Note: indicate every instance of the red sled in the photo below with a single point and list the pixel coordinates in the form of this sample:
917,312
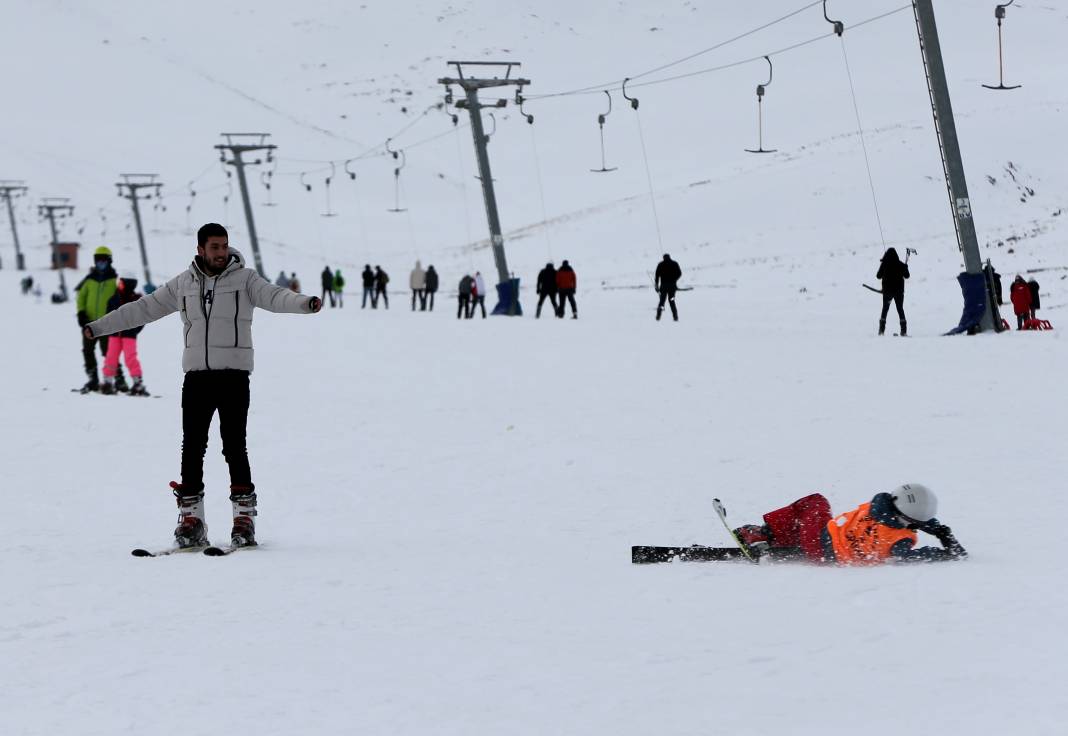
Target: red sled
1037,324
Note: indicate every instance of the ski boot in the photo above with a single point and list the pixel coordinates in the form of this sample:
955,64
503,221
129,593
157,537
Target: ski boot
756,540
107,387
120,383
138,388
882,327
243,500
192,531
904,328
91,385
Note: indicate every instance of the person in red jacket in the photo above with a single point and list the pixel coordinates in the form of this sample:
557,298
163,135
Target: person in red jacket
879,531
566,282
1020,294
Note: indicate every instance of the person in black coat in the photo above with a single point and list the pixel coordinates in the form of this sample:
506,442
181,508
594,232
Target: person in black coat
328,285
892,272
546,288
368,287
381,279
666,283
431,287
1035,302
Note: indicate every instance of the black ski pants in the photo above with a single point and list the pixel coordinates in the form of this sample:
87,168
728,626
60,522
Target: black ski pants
419,295
328,291
898,300
464,310
204,393
90,357
478,301
667,294
380,293
430,301
368,291
541,300
566,295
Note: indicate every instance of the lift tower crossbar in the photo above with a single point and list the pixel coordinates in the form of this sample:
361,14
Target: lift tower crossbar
507,288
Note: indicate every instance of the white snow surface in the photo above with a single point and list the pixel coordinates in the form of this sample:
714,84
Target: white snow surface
446,507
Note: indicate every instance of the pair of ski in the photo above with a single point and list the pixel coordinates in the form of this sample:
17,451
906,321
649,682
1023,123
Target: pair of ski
209,550
641,554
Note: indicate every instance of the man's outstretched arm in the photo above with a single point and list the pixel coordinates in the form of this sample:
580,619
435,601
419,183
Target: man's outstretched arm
159,303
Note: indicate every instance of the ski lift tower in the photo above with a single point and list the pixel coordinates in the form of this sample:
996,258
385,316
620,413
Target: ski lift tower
129,188
237,144
977,282
507,287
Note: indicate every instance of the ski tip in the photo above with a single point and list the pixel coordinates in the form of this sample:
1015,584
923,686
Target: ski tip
215,551
141,553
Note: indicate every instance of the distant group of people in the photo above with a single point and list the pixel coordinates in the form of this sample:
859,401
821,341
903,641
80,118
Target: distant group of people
290,282
1025,300
374,286
558,285
471,294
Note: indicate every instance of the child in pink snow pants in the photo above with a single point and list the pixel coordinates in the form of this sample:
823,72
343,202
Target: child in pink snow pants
124,343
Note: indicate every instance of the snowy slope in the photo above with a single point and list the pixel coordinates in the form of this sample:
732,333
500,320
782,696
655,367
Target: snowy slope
446,507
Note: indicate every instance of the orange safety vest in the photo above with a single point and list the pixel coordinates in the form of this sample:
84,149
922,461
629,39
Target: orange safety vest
858,539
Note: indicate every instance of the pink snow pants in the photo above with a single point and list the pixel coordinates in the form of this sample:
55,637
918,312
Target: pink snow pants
127,346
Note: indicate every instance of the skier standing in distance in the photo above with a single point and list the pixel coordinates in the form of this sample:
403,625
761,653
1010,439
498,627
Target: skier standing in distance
216,297
1036,300
123,343
566,283
893,273
1020,296
478,294
666,283
327,279
94,292
368,287
417,282
881,530
431,287
467,285
339,288
381,279
546,289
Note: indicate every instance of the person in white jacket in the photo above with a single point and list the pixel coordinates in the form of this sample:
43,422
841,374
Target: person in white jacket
417,281
478,298
216,297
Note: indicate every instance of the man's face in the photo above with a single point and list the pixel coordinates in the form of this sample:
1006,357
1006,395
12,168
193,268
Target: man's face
215,252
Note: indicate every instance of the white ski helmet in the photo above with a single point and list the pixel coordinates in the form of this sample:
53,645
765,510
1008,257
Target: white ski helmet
915,501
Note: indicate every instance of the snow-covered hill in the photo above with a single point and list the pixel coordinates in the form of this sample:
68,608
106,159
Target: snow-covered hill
447,506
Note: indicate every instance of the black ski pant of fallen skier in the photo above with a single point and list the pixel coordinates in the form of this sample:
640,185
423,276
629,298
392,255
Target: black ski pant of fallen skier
567,295
203,394
551,296
464,310
667,294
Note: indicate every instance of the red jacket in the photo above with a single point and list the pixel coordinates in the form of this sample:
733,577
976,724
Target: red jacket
1021,297
565,279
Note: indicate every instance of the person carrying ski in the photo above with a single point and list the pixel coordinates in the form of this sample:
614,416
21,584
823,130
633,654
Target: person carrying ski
892,272
327,279
879,531
94,292
546,288
666,283
566,283
431,287
417,282
1020,295
467,285
368,287
216,297
478,294
381,279
338,288
124,343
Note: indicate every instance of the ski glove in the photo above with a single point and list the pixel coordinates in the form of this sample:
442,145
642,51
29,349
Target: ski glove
945,536
315,304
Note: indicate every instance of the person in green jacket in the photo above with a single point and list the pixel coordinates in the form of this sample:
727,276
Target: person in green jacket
94,292
339,285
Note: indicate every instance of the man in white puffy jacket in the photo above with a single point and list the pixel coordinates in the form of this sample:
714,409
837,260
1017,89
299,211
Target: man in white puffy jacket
216,297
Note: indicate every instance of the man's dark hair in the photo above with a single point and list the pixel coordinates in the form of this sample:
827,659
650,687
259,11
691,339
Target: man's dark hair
211,230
